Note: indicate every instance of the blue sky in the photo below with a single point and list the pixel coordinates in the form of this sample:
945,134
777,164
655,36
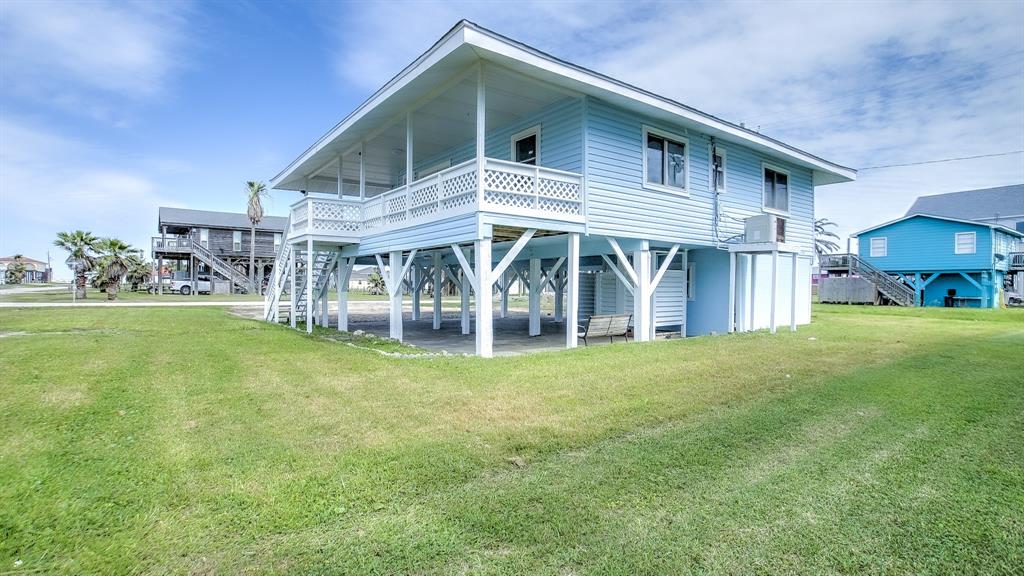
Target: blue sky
108,110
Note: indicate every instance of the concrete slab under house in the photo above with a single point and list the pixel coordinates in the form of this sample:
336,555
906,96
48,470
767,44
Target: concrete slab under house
486,163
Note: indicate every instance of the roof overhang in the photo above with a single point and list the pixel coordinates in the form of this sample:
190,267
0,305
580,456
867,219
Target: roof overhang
946,218
466,44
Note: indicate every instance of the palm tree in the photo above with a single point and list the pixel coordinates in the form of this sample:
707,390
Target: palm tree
82,248
114,263
822,244
15,272
255,191
140,271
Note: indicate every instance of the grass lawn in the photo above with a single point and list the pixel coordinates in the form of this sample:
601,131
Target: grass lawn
97,296
192,441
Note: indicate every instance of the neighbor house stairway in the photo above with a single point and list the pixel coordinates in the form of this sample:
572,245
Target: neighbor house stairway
890,287
222,268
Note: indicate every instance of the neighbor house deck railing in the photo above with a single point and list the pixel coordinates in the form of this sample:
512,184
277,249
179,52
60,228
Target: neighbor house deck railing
508,188
1017,261
172,244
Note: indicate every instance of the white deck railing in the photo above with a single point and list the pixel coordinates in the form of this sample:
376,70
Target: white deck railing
509,188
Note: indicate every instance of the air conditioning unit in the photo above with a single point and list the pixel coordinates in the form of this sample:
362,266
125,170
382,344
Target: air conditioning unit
765,228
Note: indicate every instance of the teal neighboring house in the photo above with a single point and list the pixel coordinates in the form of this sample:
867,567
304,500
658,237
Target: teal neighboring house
947,261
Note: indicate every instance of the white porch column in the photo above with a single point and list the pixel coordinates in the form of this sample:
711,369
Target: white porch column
506,283
481,131
438,283
464,288
732,293
408,148
414,281
395,273
345,266
324,304
341,179
572,290
294,292
792,298
558,284
535,289
362,172
775,291
309,284
484,315
642,293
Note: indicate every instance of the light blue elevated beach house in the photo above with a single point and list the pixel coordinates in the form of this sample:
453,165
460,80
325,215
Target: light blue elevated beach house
486,161
958,249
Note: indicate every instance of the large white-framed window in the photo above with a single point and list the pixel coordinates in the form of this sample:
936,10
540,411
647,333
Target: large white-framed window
691,286
204,237
526,146
879,247
775,184
965,243
236,240
665,161
277,241
718,161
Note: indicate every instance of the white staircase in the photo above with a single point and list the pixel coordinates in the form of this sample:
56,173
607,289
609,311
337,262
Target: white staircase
280,287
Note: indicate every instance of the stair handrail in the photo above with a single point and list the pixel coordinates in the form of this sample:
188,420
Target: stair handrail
278,276
901,293
222,267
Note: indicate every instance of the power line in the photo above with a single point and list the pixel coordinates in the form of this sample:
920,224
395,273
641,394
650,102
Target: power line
942,160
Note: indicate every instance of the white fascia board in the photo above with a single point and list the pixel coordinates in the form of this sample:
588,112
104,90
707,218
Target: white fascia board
452,40
520,52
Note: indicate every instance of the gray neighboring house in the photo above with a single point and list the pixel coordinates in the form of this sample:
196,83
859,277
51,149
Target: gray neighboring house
198,243
1002,206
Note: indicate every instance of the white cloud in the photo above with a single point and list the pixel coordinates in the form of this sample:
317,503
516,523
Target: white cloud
859,84
49,184
67,49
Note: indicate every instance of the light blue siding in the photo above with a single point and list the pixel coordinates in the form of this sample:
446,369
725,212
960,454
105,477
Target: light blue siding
922,244
561,139
442,233
619,204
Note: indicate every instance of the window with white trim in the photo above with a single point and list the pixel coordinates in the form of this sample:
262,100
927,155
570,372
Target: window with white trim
879,247
665,164
776,189
526,146
277,240
965,243
236,240
204,237
718,167
691,291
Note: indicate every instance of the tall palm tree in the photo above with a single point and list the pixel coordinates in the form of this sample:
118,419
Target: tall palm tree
822,244
256,191
116,260
81,246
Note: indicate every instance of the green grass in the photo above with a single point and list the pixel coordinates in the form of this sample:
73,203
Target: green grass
123,296
192,441
4,287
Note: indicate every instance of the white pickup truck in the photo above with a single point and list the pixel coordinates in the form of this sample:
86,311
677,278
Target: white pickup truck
183,287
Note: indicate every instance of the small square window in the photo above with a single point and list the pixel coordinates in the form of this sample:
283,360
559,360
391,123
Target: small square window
526,146
965,243
879,247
